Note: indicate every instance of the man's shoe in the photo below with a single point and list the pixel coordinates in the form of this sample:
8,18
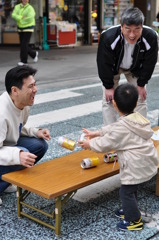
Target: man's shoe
22,64
11,189
0,201
131,226
119,213
36,57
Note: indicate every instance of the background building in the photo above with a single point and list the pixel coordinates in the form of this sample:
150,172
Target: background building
90,17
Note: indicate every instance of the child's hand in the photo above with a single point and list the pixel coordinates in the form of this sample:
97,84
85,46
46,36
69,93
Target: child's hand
90,134
84,144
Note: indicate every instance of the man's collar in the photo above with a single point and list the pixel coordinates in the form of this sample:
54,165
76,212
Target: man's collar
21,4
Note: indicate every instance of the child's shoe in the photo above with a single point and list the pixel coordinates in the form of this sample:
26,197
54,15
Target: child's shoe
131,226
119,213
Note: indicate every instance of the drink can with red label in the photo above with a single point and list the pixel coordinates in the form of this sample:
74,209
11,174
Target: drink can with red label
110,157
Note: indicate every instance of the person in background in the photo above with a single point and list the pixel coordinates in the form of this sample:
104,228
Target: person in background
130,137
24,14
20,146
130,48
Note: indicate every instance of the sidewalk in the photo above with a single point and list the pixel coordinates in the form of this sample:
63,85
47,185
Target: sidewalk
55,65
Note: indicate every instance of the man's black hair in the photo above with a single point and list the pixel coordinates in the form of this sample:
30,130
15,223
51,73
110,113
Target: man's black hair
126,96
16,75
132,16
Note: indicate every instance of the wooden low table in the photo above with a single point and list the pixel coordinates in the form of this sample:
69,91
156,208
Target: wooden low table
60,179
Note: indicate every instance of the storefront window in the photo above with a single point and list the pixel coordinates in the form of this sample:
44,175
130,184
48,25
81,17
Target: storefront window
94,16
112,11
8,29
8,26
67,10
6,8
94,13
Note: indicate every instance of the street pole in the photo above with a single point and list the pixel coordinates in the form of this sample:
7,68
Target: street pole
45,45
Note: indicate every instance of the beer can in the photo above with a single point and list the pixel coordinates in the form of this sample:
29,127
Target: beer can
89,162
110,157
82,137
66,143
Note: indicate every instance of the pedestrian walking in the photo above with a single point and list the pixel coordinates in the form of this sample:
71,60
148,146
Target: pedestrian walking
24,14
130,48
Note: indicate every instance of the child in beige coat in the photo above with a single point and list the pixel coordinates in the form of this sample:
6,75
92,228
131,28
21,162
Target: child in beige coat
130,137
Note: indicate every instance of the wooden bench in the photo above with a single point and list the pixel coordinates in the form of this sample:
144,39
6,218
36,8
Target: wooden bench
59,179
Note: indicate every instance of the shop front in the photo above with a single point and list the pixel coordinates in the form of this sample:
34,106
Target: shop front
8,27
7,24
67,13
84,13
112,10
88,18
56,11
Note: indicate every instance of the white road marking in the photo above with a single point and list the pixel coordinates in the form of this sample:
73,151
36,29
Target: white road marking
61,94
64,114
68,93
155,75
54,96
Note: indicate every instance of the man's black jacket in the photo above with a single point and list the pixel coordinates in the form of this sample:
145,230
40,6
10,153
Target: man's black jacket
111,52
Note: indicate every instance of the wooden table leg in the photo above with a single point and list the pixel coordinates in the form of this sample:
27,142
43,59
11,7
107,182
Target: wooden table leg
58,215
19,206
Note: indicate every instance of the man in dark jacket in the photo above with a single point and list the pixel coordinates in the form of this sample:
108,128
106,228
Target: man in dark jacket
130,49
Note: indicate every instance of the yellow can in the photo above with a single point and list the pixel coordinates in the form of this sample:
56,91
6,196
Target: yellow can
66,143
89,162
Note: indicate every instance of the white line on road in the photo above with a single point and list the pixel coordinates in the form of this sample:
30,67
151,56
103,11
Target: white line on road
64,114
54,96
61,94
68,93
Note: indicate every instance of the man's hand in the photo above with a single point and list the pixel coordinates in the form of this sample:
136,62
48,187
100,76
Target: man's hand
27,159
44,133
109,95
142,93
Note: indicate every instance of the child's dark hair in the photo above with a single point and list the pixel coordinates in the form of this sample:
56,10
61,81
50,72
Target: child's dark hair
126,96
16,75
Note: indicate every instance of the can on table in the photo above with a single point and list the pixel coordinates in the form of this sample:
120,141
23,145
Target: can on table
66,143
89,162
110,157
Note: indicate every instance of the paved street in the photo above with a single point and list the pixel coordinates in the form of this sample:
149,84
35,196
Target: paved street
69,98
